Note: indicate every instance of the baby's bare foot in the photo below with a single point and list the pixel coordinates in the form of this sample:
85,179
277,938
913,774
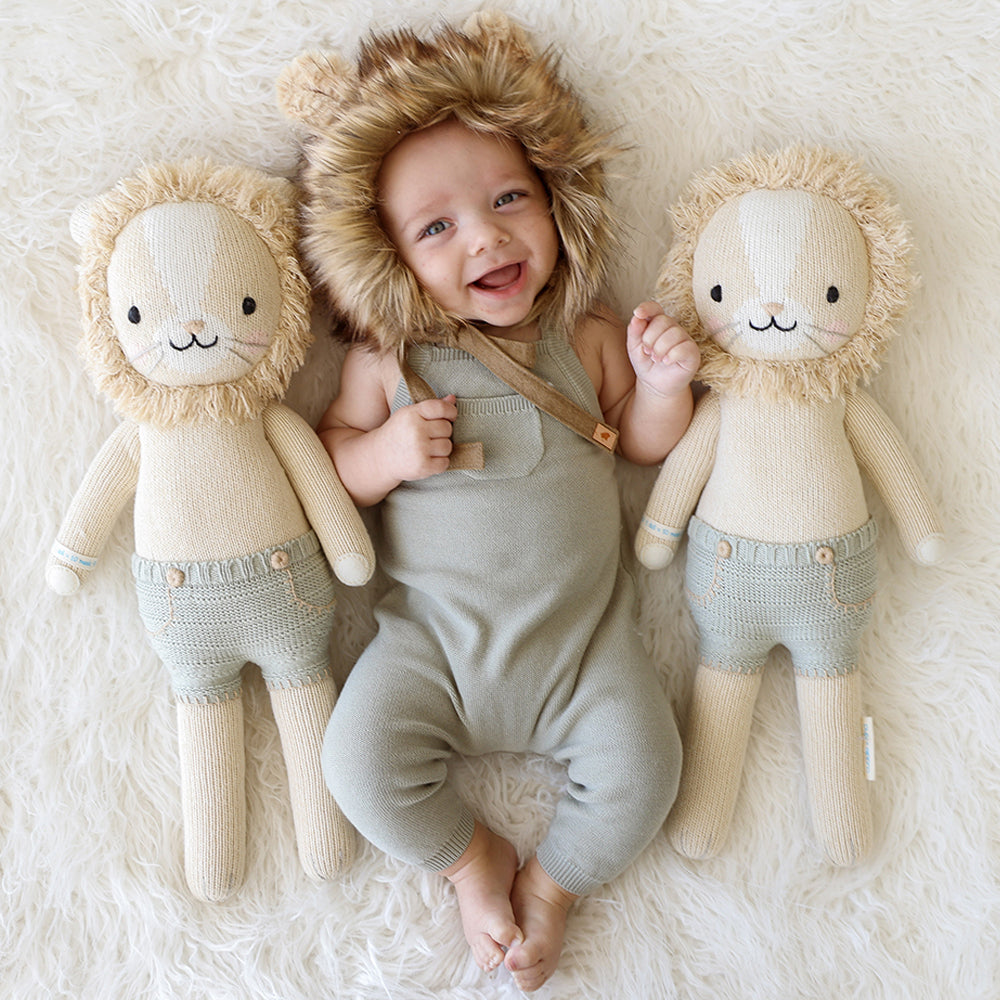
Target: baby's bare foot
483,877
540,908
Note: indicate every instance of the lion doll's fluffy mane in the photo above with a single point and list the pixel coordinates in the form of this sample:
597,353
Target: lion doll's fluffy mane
887,239
270,206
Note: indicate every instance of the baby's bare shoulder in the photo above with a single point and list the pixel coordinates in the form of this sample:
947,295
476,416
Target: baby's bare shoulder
368,381
599,342
597,333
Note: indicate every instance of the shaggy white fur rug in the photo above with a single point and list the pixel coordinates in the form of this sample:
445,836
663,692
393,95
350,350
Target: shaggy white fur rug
94,903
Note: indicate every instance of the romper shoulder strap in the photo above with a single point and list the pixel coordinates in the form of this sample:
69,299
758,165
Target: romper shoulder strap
510,363
464,455
536,390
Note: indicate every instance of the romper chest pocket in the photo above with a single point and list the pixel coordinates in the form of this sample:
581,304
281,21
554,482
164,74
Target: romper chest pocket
510,429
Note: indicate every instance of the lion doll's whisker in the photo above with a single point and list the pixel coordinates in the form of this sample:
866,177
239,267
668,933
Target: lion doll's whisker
133,358
242,357
816,341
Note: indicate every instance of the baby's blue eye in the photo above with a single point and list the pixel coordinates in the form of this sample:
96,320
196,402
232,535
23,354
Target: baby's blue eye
435,228
506,199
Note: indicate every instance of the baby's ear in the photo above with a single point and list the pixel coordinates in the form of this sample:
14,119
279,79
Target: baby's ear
494,26
81,222
312,88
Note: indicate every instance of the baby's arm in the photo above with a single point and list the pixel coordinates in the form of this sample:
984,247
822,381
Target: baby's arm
645,381
374,449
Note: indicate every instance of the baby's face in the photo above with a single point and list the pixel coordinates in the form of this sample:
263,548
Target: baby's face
471,219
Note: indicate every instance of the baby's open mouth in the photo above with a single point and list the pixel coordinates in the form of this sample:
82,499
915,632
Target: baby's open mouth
500,278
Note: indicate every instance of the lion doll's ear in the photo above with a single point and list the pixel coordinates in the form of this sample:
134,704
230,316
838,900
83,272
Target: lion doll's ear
81,222
312,88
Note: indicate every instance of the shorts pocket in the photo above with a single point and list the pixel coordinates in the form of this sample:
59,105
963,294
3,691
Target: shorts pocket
309,586
851,581
510,429
156,607
703,574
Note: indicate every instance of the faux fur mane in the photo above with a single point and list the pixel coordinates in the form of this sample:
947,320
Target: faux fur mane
887,239
489,78
270,207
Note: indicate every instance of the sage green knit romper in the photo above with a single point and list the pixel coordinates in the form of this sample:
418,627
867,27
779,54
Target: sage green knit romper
510,626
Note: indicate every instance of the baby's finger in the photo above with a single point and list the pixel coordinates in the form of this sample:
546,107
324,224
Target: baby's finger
439,447
634,332
685,355
647,310
663,335
438,409
438,429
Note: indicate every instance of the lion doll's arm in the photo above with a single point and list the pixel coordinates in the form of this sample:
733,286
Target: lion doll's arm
678,486
883,455
329,509
107,485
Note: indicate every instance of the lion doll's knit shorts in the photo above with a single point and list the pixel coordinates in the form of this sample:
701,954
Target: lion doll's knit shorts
747,597
206,620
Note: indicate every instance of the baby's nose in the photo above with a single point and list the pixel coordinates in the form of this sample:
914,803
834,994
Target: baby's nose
488,236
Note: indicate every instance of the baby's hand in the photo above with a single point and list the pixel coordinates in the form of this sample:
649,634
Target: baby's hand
664,356
416,439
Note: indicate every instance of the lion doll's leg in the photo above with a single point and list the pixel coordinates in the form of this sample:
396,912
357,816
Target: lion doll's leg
715,742
326,841
833,749
213,795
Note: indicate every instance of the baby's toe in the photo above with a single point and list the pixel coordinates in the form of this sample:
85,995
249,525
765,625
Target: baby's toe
487,953
529,980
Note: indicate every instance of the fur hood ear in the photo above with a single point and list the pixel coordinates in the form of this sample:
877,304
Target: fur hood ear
487,76
311,88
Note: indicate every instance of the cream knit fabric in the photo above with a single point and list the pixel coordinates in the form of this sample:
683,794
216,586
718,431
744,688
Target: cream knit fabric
213,796
326,841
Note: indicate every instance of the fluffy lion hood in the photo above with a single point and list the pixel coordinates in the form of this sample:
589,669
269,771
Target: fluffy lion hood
887,240
487,76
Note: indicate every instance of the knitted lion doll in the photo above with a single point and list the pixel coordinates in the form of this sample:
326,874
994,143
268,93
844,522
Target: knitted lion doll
196,316
790,271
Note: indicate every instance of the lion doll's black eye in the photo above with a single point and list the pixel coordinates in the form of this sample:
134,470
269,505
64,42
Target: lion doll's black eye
133,315
249,306
832,294
716,293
